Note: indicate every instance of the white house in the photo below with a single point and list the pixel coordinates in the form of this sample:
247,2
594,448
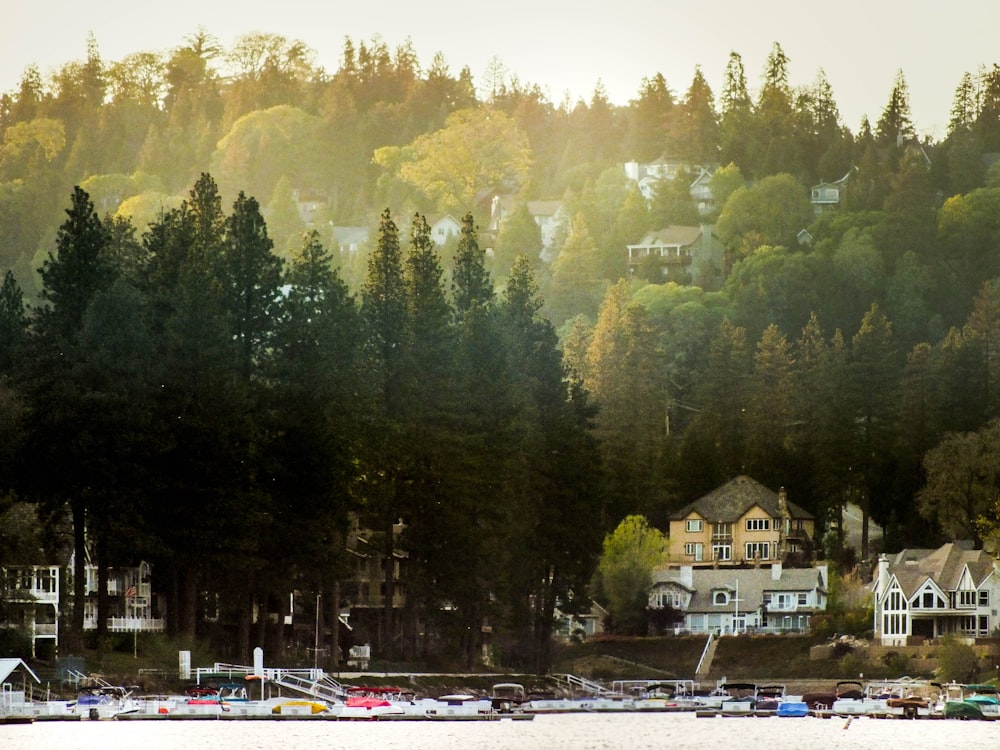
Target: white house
771,599
923,593
443,228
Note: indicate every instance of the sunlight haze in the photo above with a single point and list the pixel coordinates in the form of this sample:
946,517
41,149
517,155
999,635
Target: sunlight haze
566,48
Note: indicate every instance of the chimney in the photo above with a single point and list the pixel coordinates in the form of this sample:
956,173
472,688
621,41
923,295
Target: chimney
687,576
776,571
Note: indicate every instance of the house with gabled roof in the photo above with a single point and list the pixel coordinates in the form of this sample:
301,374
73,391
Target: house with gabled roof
827,196
771,599
924,594
679,252
742,522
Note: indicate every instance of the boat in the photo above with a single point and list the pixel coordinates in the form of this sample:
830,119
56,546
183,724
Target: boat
792,708
671,695
769,697
508,697
823,700
104,701
970,701
462,706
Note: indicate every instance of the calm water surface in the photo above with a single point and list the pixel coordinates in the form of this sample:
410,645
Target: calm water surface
570,731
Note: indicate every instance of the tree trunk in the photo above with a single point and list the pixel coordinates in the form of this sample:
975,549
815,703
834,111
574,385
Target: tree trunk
386,642
102,588
333,615
189,617
79,573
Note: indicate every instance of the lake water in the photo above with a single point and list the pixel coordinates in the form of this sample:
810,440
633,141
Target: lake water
550,732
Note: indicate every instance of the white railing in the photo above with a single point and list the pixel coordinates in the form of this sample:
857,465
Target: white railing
131,624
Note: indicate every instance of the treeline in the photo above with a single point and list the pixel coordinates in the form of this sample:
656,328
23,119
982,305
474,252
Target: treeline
139,130
192,401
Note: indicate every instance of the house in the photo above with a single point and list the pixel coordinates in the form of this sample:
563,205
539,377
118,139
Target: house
35,602
681,253
443,228
31,598
772,599
738,523
348,240
649,176
827,196
921,594
550,216
365,590
581,625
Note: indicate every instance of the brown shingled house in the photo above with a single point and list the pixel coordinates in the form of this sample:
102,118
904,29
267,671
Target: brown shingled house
741,522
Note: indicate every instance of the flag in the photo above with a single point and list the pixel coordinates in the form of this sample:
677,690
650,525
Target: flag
130,592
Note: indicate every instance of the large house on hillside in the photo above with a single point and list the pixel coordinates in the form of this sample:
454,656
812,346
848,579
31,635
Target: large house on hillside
680,253
922,594
742,522
772,599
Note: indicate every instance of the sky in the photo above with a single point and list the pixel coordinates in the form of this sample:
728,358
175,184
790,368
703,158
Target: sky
567,48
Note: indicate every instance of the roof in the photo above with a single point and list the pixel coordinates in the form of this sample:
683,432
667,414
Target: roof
752,582
7,667
945,566
671,235
544,208
729,503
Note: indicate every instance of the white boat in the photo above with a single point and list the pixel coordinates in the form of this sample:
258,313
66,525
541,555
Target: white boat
104,701
459,706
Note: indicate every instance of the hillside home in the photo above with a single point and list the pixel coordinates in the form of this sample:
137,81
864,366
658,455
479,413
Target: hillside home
680,253
348,240
771,599
827,195
742,522
922,594
443,228
550,216
649,176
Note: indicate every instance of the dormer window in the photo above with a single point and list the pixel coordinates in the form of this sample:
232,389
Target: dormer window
720,598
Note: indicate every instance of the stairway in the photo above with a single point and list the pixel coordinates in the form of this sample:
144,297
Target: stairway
325,688
705,663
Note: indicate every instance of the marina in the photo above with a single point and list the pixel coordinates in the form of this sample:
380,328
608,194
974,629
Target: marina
587,731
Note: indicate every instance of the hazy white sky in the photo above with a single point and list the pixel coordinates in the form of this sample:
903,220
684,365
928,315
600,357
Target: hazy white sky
566,47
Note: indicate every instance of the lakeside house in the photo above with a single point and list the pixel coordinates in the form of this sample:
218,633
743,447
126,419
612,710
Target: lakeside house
726,601
742,522
923,594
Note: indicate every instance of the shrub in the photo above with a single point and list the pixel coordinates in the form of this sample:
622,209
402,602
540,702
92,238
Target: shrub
956,661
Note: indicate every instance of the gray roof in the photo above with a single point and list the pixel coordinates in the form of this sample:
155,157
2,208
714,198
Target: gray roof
945,565
729,503
753,583
7,667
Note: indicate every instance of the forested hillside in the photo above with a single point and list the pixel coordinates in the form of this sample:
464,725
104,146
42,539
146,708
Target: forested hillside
200,377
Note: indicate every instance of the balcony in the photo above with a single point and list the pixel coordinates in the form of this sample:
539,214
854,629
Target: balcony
132,624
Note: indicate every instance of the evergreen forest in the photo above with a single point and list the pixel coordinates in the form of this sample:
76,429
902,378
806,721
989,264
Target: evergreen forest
194,374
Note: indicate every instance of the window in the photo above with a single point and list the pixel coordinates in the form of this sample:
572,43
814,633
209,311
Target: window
722,552
722,532
665,599
695,550
966,598
758,550
803,600
767,600
984,598
720,597
927,600
758,524
692,525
